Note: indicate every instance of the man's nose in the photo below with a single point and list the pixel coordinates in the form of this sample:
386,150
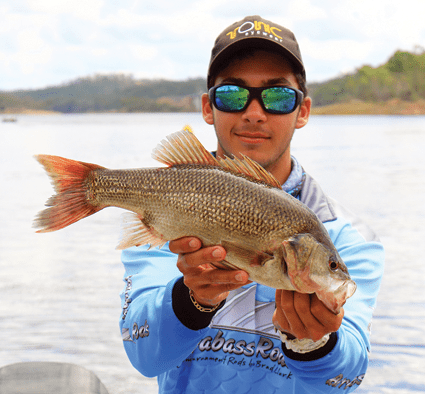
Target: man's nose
254,112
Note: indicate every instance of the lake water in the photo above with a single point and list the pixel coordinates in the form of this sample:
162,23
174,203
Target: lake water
59,291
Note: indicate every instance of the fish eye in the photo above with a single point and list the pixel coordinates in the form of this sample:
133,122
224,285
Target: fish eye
333,265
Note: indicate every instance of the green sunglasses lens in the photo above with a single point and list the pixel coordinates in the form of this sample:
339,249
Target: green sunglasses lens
231,97
279,99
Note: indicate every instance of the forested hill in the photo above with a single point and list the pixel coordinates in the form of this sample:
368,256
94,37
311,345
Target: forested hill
110,93
399,82
398,86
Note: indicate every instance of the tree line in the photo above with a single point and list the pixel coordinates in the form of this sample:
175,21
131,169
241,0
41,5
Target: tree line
110,93
401,77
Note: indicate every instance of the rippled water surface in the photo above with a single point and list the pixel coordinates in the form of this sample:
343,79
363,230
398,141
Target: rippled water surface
60,291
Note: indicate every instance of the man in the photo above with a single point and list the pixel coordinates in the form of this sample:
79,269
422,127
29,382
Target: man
200,328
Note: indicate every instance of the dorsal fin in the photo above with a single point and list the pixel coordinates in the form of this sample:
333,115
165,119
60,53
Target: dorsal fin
183,147
249,168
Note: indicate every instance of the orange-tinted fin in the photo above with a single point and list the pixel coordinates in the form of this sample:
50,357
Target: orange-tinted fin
249,168
137,233
184,148
255,257
188,127
69,204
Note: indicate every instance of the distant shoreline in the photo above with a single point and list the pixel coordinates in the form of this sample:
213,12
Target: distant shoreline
392,107
27,111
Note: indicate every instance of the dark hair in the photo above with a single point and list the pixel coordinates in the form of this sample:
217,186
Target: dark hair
246,53
302,83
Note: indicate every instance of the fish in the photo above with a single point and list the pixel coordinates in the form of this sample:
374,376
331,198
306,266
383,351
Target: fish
233,202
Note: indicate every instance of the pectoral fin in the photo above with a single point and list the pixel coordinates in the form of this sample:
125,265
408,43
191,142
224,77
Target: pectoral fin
238,253
297,258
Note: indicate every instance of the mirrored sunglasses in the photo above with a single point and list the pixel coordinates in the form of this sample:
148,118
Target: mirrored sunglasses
274,99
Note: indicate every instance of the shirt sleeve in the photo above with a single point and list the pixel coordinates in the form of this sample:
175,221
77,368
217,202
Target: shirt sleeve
159,324
346,363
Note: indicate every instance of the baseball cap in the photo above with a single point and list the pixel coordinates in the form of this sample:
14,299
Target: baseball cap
254,32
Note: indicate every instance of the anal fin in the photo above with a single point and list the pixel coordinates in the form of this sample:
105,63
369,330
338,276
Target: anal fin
136,233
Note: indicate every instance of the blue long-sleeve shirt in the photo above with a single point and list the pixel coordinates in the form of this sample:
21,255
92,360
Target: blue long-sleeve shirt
235,349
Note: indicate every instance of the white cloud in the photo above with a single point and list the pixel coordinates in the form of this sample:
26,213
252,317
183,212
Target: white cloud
83,9
143,52
328,59
26,50
398,21
33,52
125,18
48,41
302,10
335,50
99,52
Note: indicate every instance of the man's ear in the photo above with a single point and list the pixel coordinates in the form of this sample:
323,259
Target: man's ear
207,111
304,113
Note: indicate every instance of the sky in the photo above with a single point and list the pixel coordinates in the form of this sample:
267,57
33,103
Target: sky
50,42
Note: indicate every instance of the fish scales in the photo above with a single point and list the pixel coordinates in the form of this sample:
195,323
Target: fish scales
235,203
206,195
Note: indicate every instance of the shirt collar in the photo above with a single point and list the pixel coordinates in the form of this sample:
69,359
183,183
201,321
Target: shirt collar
295,181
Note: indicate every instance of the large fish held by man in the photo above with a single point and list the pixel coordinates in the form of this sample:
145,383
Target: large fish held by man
235,203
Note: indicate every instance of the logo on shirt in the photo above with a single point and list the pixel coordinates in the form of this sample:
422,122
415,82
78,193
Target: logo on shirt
127,299
261,354
136,332
265,347
341,382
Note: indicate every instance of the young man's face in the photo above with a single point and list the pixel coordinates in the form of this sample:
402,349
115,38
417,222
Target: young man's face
262,136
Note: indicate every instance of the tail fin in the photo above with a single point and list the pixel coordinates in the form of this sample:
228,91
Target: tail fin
70,202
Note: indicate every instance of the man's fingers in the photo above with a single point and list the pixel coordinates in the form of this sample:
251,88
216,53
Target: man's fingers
279,319
295,311
285,298
325,316
203,272
185,245
212,286
290,304
211,254
304,315
216,277
311,326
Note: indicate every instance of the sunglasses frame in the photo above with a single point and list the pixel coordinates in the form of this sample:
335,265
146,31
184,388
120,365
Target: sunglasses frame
255,93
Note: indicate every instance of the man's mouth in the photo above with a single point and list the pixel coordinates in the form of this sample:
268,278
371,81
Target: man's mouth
252,138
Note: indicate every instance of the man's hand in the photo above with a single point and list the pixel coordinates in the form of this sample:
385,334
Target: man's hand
304,315
210,283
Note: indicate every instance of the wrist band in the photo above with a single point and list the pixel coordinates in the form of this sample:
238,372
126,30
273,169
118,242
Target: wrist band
200,307
302,345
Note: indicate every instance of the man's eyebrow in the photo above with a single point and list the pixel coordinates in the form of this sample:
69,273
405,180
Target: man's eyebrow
237,81
278,81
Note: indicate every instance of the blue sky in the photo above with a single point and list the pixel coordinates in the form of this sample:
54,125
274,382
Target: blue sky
49,42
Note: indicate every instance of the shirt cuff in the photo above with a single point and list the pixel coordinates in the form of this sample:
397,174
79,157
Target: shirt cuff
186,312
313,355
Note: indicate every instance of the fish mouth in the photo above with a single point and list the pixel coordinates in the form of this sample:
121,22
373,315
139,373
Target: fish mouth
334,300
346,290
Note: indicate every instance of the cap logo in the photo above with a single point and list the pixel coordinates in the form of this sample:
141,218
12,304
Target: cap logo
259,28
